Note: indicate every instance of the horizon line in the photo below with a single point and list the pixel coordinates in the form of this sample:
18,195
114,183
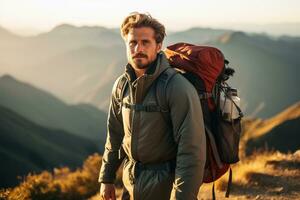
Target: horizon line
36,32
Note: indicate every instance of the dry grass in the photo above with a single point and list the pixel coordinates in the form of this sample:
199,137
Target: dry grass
264,175
62,183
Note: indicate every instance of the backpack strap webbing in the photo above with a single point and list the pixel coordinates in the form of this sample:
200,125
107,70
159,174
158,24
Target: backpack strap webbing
228,186
121,86
213,146
161,88
213,193
229,183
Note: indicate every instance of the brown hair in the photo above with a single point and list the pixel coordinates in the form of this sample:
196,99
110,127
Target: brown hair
137,20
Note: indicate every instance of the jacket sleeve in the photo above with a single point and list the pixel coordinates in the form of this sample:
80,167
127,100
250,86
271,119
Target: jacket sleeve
189,133
115,133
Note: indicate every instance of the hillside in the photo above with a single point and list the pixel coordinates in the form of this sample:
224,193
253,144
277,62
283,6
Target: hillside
27,147
46,110
280,133
60,184
287,132
263,175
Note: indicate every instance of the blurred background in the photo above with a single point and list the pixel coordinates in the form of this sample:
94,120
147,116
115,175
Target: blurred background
58,62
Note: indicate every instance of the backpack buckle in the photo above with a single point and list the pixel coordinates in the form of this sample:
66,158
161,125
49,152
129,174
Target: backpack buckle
152,108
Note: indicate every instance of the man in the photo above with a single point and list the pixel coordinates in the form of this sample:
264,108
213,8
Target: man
164,158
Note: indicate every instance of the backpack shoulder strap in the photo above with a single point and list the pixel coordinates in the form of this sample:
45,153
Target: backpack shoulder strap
161,87
120,89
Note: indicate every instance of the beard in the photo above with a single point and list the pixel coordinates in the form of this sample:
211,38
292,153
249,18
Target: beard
139,64
140,61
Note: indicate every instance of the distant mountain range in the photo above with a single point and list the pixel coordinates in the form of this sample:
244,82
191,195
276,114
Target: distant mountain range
266,70
38,131
80,64
276,29
47,110
28,147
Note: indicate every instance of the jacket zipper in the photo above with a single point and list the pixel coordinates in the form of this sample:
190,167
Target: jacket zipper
133,133
141,84
135,194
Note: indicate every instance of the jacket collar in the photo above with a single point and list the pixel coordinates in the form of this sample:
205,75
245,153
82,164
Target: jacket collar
142,84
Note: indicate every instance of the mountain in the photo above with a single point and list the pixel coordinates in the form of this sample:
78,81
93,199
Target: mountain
45,109
6,35
195,35
275,29
70,62
80,64
75,74
280,132
28,147
266,70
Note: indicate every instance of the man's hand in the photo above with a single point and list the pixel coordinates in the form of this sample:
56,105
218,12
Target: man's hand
107,191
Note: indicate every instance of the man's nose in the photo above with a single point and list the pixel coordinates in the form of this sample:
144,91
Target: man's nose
139,48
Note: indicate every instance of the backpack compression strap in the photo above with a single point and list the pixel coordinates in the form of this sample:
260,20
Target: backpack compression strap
145,108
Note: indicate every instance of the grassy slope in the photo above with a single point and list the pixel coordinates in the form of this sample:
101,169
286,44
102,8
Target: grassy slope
280,132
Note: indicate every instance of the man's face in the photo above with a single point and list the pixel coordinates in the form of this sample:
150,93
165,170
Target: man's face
141,47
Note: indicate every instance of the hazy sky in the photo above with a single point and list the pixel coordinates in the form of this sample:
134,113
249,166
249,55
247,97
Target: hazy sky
32,16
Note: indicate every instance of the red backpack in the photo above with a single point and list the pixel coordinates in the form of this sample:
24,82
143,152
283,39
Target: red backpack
206,68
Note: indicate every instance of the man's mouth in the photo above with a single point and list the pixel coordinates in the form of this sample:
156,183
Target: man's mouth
140,56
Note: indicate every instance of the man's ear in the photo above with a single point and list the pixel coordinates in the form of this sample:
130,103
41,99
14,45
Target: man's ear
158,48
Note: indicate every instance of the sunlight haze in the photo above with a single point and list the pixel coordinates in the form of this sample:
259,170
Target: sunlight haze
34,16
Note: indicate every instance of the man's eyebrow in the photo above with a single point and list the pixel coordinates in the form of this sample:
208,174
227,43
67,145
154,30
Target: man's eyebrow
144,40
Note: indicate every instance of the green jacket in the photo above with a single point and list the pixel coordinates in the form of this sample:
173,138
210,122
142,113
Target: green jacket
146,137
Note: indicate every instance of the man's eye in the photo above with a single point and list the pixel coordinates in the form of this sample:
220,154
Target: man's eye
132,43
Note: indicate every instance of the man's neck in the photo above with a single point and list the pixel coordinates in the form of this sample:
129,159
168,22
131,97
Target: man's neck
141,72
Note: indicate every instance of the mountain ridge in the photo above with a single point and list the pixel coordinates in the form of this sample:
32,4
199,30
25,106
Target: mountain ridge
28,147
81,68
47,110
